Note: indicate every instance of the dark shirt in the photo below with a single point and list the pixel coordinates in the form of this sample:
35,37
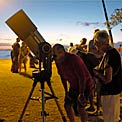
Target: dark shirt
92,44
15,51
115,86
73,68
90,60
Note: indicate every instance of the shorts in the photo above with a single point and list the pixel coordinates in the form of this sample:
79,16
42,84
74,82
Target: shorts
72,96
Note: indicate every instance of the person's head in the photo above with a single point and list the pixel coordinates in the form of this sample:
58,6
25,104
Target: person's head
18,39
96,30
83,41
71,44
101,39
59,52
24,44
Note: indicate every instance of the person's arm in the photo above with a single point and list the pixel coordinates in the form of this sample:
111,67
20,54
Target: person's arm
88,47
81,84
28,51
64,82
106,77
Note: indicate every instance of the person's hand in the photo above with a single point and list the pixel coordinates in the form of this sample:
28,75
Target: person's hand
96,72
82,100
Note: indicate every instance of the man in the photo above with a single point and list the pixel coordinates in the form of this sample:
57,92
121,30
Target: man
72,70
109,77
119,49
70,47
82,46
14,56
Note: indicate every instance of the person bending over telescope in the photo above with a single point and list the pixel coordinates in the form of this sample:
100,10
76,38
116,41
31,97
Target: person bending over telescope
72,69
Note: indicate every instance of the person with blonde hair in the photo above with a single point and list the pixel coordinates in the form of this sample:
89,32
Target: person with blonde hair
23,56
108,74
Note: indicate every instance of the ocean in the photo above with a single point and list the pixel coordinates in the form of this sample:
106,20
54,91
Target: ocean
5,54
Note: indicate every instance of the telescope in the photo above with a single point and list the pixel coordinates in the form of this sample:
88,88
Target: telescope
24,28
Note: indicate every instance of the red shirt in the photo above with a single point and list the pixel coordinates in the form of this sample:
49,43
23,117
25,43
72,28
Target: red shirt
73,68
119,49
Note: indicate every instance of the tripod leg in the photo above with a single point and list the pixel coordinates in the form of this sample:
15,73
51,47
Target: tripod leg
59,108
26,104
43,107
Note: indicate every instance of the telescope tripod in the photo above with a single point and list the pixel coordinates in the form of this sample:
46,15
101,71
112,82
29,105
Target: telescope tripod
41,76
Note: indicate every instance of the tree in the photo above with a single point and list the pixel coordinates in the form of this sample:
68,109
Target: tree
116,17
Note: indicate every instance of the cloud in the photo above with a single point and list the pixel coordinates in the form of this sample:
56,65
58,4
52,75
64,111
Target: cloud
87,24
5,44
5,39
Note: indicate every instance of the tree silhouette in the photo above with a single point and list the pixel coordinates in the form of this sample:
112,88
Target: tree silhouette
116,17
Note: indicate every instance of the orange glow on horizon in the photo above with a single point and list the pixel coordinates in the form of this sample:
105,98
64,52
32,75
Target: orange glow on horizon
5,47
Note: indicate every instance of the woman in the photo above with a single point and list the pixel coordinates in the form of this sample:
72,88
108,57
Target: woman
23,56
109,77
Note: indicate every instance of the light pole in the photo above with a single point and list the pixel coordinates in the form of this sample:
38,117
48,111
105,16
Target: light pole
108,24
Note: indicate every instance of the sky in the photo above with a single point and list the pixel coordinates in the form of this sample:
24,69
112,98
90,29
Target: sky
60,21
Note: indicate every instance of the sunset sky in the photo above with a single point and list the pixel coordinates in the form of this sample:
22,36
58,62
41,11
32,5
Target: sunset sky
60,21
